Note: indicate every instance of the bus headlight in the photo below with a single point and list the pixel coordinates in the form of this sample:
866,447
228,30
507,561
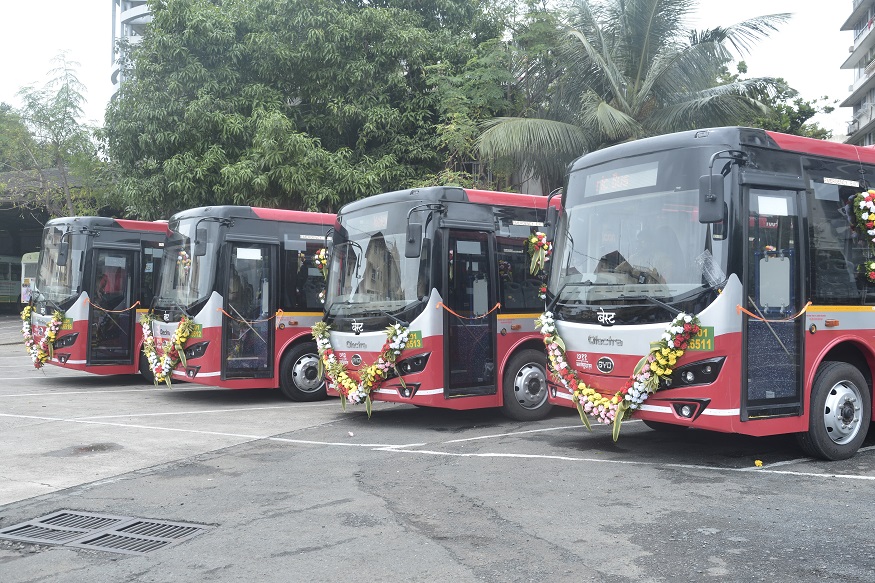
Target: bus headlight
196,350
65,340
702,372
410,365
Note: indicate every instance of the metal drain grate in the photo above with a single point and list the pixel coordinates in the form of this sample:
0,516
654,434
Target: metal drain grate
102,532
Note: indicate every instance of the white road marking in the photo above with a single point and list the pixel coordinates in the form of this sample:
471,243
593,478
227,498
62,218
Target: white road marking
513,433
407,448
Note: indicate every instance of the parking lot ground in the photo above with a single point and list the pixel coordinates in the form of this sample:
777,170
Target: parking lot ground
308,492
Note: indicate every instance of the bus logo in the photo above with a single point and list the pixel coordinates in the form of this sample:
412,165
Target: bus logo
356,359
605,365
606,318
357,327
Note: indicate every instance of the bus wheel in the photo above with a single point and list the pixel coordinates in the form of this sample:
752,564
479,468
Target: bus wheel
840,410
146,370
299,374
525,386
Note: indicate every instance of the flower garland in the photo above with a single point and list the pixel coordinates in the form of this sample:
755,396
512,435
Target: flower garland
657,366
183,260
539,249
171,351
864,211
868,270
863,204
371,376
43,351
320,259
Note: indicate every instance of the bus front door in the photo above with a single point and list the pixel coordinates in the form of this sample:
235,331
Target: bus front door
112,315
773,335
469,344
249,303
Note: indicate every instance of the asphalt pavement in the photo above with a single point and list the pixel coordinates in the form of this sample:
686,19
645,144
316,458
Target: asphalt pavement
273,491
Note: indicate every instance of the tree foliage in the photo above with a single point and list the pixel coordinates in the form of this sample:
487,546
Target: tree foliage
626,69
52,157
301,104
786,111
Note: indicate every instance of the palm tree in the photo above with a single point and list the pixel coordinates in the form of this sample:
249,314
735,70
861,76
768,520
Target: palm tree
630,69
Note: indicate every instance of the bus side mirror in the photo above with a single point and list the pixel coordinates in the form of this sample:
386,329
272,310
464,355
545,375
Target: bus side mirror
63,252
551,222
200,243
711,205
413,243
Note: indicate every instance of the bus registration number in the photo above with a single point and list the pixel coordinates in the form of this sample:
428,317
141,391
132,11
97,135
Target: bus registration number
703,341
414,339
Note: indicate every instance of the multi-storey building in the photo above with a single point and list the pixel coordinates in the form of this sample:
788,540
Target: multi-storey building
861,128
129,20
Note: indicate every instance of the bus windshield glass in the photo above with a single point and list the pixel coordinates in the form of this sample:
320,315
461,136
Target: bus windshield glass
369,272
190,257
632,232
59,277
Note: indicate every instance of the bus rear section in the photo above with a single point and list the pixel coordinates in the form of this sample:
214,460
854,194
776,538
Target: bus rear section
94,276
445,272
752,239
238,296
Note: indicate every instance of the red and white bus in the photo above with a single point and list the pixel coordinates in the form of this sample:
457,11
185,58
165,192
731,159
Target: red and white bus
245,280
94,275
448,267
743,249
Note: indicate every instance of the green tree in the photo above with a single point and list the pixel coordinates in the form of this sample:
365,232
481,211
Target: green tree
59,142
16,142
786,111
630,69
301,104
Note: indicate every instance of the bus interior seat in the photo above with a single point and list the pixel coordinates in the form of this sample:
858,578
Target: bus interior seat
312,288
513,295
531,287
835,277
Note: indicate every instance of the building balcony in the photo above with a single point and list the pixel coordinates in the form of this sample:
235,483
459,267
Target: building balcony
863,122
859,10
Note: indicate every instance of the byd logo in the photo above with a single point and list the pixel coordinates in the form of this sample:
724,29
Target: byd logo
605,365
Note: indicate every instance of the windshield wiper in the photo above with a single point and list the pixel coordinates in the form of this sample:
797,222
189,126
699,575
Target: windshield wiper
164,300
652,300
52,303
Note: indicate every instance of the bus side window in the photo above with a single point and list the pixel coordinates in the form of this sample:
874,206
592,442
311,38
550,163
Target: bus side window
835,249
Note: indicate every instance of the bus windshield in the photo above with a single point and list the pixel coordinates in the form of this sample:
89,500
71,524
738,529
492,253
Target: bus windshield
369,272
59,277
632,232
190,257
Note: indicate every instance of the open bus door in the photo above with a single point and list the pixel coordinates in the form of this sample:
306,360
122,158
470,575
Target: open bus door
773,336
249,303
111,319
469,343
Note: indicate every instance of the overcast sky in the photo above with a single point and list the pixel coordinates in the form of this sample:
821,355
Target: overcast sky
807,51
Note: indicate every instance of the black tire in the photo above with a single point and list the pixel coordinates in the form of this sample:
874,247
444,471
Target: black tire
841,408
146,370
299,374
525,386
665,427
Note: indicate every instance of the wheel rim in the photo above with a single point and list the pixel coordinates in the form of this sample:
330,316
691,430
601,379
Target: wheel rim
842,412
305,374
530,386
